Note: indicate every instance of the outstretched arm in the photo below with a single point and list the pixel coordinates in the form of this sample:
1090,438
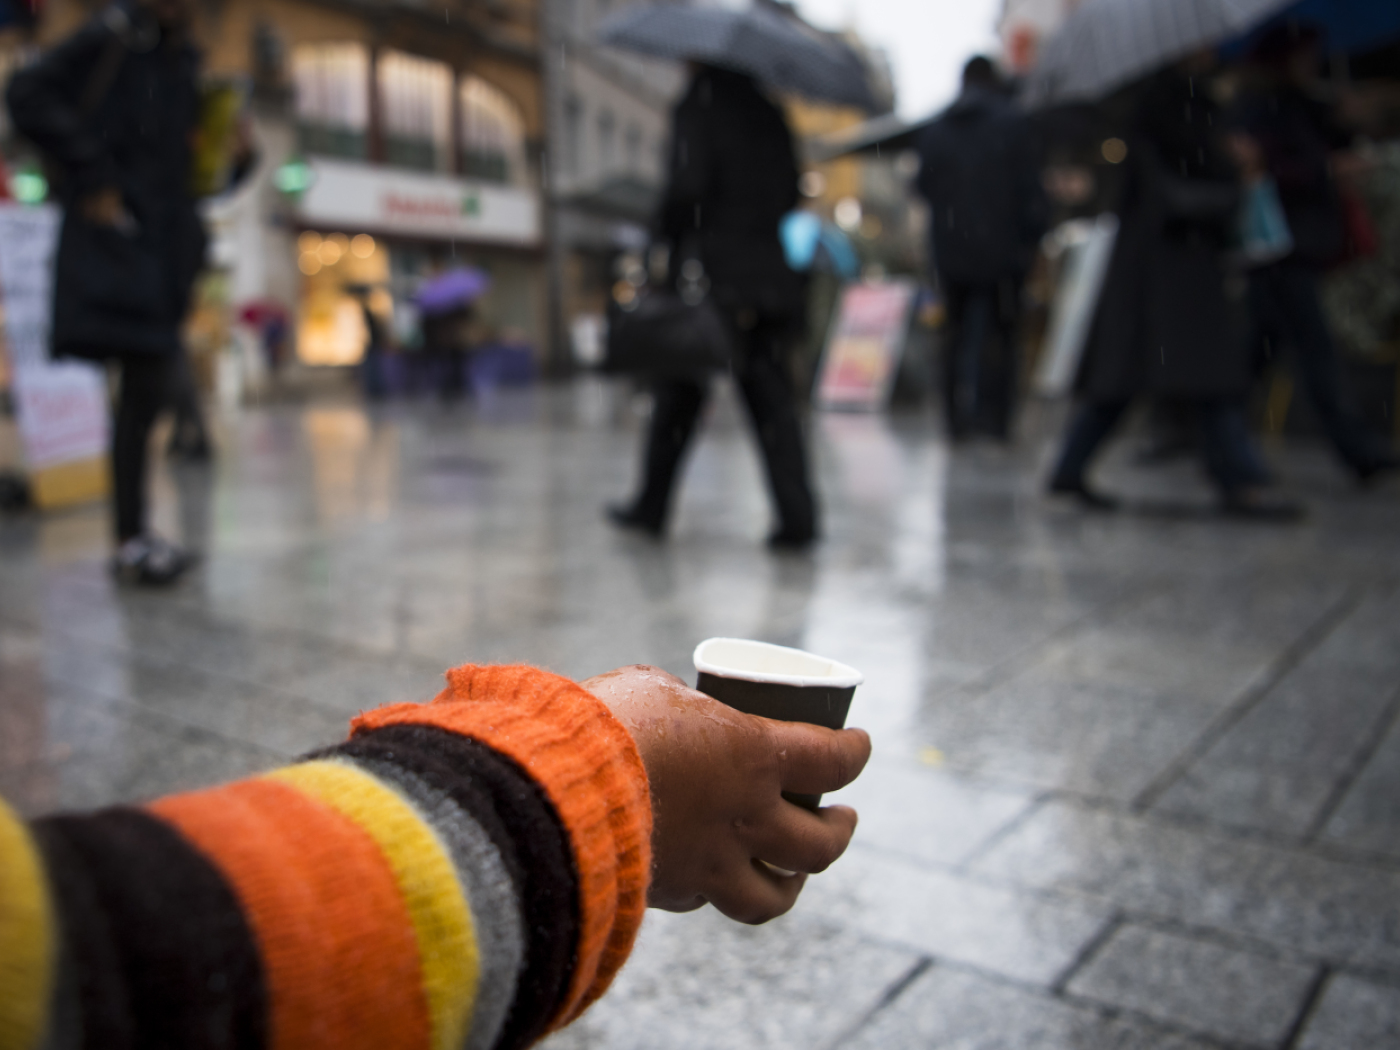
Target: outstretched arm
468,872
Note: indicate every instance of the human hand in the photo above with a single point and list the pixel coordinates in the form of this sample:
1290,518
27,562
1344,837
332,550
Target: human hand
106,208
722,831
1248,156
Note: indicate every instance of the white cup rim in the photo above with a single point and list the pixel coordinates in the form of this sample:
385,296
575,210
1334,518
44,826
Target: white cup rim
780,664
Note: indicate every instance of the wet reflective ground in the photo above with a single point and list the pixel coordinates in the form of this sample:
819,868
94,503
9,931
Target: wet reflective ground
1136,780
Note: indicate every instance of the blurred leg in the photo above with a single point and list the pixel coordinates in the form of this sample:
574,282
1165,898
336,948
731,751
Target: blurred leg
675,411
1297,306
767,391
190,437
144,389
960,304
1093,422
1000,361
1231,456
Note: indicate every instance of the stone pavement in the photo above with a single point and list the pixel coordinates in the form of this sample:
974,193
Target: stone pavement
1136,779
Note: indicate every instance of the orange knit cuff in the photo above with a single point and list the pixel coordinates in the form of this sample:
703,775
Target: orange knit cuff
584,759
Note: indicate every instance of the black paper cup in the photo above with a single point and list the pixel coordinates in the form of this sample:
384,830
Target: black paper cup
774,681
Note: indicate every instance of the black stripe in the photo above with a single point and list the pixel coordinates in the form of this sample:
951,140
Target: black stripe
165,957
522,822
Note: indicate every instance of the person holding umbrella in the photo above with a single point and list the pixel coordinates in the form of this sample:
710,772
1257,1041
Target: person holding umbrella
1165,327
733,176
1284,133
446,303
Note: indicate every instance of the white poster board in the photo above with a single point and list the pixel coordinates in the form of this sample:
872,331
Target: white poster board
865,344
1088,248
61,407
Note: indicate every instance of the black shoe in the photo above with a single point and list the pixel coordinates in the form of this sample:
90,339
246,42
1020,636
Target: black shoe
1088,498
149,561
1257,504
625,517
792,539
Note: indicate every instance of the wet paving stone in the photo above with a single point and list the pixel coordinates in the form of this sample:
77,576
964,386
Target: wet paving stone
1134,775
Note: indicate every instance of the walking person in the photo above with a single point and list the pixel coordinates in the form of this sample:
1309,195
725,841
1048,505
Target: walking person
1165,327
1286,134
978,173
115,107
733,176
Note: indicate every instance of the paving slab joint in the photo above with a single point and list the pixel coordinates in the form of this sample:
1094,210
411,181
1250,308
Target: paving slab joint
1292,655
1311,999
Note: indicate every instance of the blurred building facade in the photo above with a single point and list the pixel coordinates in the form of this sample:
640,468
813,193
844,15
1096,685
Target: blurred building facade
394,139
608,158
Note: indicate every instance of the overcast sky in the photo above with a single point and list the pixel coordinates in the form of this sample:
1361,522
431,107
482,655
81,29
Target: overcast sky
927,40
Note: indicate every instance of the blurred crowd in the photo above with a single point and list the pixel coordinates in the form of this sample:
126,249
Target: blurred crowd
1238,180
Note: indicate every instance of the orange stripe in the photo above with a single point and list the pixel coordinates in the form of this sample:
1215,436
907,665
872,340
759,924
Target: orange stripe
588,765
338,951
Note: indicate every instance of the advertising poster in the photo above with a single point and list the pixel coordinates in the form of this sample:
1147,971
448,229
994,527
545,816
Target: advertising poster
865,344
61,407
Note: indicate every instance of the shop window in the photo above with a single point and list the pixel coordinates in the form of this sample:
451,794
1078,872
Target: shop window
415,96
492,133
332,99
344,279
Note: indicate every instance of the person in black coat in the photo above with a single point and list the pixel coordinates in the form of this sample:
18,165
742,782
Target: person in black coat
733,176
1286,134
987,212
1165,327
115,107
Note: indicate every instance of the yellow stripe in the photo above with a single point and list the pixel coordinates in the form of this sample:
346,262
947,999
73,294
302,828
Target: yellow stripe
27,950
426,876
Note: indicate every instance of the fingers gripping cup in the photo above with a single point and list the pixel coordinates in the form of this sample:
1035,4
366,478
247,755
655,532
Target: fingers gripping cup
774,681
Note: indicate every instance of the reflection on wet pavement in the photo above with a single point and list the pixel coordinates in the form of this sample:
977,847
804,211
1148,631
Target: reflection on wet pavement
1134,781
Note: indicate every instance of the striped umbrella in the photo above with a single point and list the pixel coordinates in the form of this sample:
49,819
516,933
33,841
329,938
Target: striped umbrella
1105,44
777,49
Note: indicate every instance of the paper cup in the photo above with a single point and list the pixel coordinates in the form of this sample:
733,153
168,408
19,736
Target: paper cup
777,682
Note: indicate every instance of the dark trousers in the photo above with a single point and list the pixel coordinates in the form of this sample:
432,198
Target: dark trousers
1286,309
191,435
772,408
143,390
982,357
1230,455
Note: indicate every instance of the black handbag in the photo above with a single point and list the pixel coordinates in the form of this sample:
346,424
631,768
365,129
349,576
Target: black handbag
665,333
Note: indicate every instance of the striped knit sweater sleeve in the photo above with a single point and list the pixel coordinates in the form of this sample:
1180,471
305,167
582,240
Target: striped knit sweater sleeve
467,873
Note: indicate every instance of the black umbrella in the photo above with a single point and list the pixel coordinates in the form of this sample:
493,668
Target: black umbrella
1105,44
776,48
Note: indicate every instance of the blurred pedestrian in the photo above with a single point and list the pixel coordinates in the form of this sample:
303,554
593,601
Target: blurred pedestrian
189,436
978,173
374,371
1165,327
732,178
115,107
1287,134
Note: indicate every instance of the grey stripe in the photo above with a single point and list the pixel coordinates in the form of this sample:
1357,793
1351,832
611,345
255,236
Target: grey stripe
495,907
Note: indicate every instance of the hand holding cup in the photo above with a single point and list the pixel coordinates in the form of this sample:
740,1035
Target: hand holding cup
723,832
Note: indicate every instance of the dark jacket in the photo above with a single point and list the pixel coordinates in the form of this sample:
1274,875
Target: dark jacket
1164,324
978,173
732,178
114,105
1297,135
